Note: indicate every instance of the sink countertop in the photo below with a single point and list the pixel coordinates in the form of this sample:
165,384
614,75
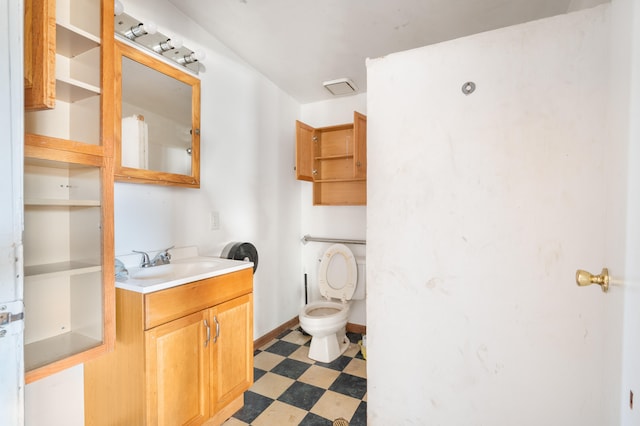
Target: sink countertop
178,272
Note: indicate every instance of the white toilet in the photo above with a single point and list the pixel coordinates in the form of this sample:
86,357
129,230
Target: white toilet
341,278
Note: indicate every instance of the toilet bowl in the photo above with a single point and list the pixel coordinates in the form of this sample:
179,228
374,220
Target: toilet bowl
325,320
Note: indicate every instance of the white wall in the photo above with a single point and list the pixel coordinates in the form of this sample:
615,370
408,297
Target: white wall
347,222
57,400
247,176
481,208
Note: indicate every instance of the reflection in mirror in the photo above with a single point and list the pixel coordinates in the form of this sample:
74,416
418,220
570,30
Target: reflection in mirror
159,107
156,120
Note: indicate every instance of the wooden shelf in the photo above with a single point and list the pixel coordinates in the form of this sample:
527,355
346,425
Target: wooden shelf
340,180
49,151
60,269
72,41
61,203
47,351
71,90
68,185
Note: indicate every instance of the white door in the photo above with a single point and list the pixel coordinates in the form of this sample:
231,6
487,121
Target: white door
11,159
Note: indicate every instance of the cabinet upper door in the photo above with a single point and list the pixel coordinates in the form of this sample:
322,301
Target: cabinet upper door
178,371
39,54
305,135
360,148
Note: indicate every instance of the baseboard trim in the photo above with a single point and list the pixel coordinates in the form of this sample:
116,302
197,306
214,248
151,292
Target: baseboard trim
225,414
261,341
356,328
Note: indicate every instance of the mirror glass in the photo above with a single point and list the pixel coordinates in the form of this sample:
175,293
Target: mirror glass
159,124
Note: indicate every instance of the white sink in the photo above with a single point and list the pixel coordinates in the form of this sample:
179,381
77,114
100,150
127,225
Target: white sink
154,278
173,270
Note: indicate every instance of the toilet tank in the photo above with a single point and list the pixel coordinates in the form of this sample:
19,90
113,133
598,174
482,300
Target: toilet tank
360,293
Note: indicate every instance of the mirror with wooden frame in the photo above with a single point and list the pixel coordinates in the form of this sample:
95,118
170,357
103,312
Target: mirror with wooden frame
157,120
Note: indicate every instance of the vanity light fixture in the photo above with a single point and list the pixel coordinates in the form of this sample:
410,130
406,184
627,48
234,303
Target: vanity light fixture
140,30
147,36
192,57
169,44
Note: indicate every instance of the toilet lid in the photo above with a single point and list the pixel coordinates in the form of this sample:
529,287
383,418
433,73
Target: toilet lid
338,273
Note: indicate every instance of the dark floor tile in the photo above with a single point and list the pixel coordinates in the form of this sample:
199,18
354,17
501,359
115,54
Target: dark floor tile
304,333
256,352
347,384
291,368
302,395
360,416
285,333
314,420
354,337
282,348
257,373
338,364
254,405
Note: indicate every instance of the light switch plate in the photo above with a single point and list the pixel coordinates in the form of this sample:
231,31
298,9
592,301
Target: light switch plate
214,220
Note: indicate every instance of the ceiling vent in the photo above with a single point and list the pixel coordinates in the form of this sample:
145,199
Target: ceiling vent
341,86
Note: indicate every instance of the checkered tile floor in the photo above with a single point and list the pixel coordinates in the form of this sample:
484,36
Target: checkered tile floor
291,389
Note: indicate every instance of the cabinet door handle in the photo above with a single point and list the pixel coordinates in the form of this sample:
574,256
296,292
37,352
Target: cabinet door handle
206,325
215,338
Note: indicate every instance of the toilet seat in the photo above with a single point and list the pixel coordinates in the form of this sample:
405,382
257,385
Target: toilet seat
338,273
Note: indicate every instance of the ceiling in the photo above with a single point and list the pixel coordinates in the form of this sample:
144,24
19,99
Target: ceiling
298,44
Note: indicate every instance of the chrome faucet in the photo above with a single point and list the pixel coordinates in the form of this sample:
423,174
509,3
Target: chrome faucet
162,258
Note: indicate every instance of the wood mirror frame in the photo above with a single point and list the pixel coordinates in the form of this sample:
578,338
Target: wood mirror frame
141,175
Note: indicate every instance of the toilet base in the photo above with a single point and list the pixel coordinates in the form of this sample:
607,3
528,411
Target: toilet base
328,348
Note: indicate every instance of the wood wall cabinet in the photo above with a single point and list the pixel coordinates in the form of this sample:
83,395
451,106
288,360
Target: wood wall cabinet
68,185
183,355
334,158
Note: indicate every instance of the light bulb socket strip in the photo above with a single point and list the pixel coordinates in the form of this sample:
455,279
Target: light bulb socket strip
146,36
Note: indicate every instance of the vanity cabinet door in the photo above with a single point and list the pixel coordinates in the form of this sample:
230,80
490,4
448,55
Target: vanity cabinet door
39,54
177,366
305,136
232,350
360,145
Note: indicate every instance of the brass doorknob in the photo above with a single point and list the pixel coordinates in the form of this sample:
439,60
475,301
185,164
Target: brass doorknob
584,278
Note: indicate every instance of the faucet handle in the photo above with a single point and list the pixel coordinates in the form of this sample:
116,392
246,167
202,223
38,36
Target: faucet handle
145,258
165,253
162,258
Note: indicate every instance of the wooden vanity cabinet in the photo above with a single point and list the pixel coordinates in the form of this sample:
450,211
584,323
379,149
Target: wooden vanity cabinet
334,158
183,356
